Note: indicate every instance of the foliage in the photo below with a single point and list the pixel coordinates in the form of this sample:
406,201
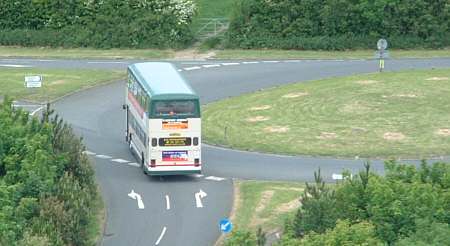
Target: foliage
344,233
339,24
241,238
408,205
47,188
97,23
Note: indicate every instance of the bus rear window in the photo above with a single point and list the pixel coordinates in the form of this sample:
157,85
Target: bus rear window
174,108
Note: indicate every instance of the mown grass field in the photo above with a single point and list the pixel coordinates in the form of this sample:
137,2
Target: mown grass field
56,82
266,204
381,115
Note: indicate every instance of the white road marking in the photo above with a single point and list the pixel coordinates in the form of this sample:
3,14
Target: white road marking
36,110
104,156
42,60
271,61
191,68
134,164
14,65
198,175
215,178
336,176
250,62
180,70
198,198
230,63
135,196
167,202
87,152
161,236
211,65
107,62
120,160
287,61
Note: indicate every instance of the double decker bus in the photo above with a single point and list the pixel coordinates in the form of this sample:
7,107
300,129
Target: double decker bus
163,120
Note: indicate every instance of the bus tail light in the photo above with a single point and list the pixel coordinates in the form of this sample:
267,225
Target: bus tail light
196,162
195,141
154,142
153,163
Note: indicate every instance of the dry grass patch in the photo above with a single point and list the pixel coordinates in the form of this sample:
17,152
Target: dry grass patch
354,107
327,135
367,82
443,132
394,136
288,207
295,95
276,129
263,107
258,119
437,78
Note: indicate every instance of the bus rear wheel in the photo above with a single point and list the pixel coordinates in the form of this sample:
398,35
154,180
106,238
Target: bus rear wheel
143,163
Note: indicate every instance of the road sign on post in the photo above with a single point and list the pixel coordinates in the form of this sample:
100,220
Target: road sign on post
382,53
34,81
225,225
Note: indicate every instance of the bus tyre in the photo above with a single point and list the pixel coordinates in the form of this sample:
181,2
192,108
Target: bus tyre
143,164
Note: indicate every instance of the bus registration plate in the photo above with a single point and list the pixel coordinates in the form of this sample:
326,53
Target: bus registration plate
175,155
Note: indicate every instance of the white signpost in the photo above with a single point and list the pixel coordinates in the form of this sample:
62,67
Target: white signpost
34,81
382,52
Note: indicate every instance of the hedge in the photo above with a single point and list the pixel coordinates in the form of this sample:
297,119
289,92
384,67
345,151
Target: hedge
339,24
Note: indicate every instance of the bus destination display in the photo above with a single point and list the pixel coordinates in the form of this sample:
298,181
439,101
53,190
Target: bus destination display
174,142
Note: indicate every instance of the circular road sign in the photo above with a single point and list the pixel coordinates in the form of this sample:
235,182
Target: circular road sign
382,44
225,225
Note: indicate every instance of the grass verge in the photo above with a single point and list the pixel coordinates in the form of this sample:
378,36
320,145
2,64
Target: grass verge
299,54
56,82
84,53
266,204
97,223
380,115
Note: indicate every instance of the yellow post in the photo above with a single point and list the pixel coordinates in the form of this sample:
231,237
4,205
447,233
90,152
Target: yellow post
381,65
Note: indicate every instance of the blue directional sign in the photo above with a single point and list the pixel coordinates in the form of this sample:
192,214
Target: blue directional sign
225,225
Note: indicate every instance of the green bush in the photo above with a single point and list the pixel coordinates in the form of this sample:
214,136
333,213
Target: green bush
339,24
47,188
97,23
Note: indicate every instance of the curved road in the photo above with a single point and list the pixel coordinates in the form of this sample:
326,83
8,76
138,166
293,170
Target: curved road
171,215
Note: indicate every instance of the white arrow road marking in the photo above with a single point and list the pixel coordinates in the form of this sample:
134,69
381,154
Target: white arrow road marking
198,198
87,152
135,196
167,202
192,68
134,164
211,65
104,156
120,160
215,178
161,236
36,110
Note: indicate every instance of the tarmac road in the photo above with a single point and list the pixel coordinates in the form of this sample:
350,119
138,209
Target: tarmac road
171,215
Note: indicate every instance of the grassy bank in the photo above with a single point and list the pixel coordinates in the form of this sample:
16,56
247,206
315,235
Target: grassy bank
307,54
84,53
395,114
266,204
56,82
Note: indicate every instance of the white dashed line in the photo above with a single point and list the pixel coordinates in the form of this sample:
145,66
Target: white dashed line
191,68
271,61
290,61
161,236
104,156
120,160
14,65
211,65
134,164
87,152
199,175
42,60
180,70
106,62
167,202
250,62
215,178
230,64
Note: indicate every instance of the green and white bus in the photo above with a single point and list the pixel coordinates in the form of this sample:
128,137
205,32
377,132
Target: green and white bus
163,120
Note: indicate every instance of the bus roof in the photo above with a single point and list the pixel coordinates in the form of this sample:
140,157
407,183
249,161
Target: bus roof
162,81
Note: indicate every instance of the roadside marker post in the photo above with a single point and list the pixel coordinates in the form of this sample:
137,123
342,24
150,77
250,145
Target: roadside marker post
382,53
